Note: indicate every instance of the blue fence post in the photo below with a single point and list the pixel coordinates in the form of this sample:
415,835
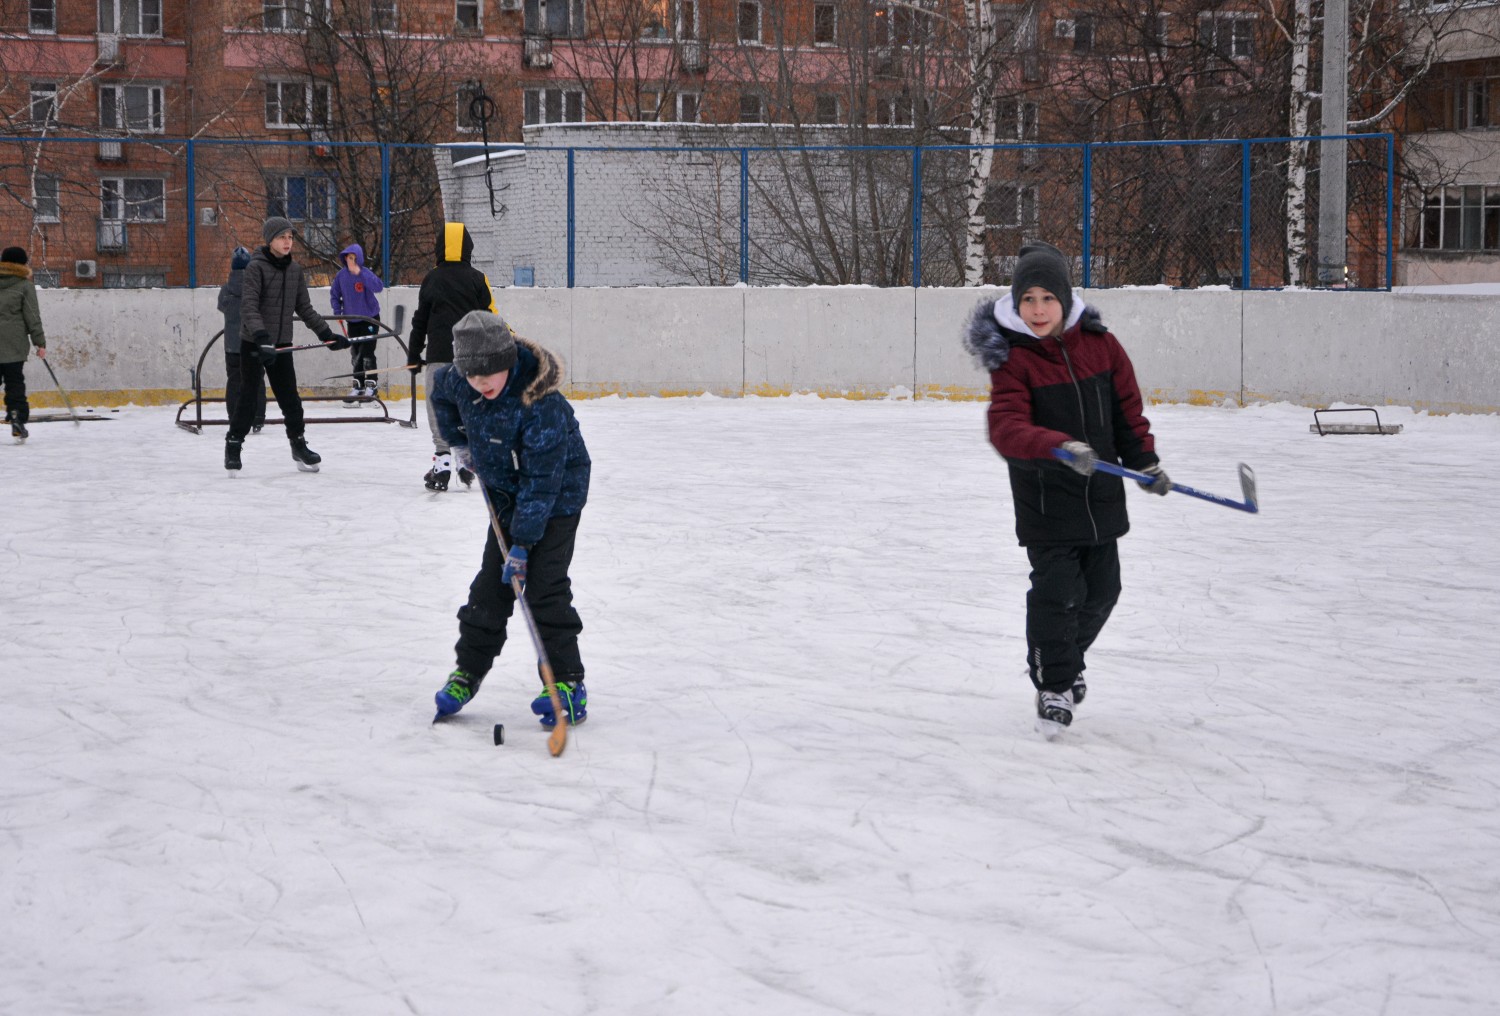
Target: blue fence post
916,217
385,214
745,216
192,221
1390,210
571,224
1088,215
1244,215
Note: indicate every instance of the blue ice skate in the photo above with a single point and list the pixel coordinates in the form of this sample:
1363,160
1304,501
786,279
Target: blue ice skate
574,698
455,694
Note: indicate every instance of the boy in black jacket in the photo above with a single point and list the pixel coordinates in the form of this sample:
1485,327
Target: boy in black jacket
274,287
449,291
1059,379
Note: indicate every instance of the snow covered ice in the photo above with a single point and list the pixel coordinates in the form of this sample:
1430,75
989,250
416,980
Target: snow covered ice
809,783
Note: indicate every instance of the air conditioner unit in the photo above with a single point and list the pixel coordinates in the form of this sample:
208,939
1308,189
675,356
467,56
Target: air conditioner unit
208,216
321,148
510,5
86,269
1063,28
111,151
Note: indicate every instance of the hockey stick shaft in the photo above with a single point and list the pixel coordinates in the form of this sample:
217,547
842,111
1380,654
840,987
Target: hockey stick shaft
322,345
61,390
1247,483
362,373
558,739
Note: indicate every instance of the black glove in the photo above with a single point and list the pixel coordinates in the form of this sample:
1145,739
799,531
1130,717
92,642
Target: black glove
332,340
264,351
1160,482
414,363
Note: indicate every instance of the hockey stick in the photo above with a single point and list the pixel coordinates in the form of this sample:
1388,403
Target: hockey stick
61,390
1247,483
558,739
358,373
323,345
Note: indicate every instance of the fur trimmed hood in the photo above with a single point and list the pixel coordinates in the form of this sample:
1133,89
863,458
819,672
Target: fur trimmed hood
549,372
994,327
15,270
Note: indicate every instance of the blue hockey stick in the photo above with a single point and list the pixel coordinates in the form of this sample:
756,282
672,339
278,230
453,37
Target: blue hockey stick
1247,483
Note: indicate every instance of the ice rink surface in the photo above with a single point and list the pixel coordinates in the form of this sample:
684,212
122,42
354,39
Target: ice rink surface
809,783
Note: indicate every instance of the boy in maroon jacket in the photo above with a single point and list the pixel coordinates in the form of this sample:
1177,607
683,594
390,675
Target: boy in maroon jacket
1059,379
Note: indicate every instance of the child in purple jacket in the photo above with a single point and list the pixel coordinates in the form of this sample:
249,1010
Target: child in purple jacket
353,292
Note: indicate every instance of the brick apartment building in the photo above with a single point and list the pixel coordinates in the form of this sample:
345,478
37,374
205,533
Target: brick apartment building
296,107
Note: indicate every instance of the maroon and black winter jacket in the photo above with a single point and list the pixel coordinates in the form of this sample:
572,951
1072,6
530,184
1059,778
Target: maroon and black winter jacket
1079,386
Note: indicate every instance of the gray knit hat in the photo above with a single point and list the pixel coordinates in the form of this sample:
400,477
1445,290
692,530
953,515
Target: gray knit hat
274,227
483,344
1042,264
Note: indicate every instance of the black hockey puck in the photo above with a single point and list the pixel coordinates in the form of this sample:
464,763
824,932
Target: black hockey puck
499,733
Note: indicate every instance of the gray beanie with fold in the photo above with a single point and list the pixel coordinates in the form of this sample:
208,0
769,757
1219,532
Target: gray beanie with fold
483,344
274,227
1042,264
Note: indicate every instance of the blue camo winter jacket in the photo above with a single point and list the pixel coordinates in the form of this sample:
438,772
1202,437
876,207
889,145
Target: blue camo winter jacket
525,442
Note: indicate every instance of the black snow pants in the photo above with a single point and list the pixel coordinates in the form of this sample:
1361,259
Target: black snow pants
549,594
13,377
1073,590
283,378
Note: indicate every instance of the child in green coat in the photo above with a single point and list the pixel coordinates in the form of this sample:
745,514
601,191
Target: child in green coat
20,329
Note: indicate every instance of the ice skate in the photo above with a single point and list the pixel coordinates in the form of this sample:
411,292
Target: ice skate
351,401
1080,690
371,391
575,701
437,477
1054,712
232,448
455,694
19,432
466,476
307,460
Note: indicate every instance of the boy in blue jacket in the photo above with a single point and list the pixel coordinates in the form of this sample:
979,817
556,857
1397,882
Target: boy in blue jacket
520,436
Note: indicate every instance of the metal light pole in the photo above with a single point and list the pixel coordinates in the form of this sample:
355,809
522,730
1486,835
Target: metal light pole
1333,188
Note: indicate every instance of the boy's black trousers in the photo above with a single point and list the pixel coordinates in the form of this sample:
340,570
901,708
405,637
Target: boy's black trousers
1073,590
13,377
283,379
362,354
549,593
233,387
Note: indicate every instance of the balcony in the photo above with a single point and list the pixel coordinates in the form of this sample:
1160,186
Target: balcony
536,51
110,237
885,62
109,50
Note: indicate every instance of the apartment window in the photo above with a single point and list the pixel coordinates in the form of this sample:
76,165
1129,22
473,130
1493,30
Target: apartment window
135,109
1461,218
687,19
130,17
44,102
132,278
1471,103
825,24
748,21
553,105
133,199
297,104
1228,33
1083,33
899,25
43,16
687,107
826,109
46,278
46,204
383,14
751,108
562,19
1156,28
1010,206
302,199
681,107
894,111
466,15
1016,121
289,15
467,121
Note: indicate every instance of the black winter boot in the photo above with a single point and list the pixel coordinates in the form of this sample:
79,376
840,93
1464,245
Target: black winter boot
307,459
232,454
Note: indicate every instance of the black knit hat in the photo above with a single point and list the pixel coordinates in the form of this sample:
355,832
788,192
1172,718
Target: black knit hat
274,227
13,255
483,344
1042,264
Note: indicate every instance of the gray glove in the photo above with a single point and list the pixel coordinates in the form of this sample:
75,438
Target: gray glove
1160,482
1083,457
